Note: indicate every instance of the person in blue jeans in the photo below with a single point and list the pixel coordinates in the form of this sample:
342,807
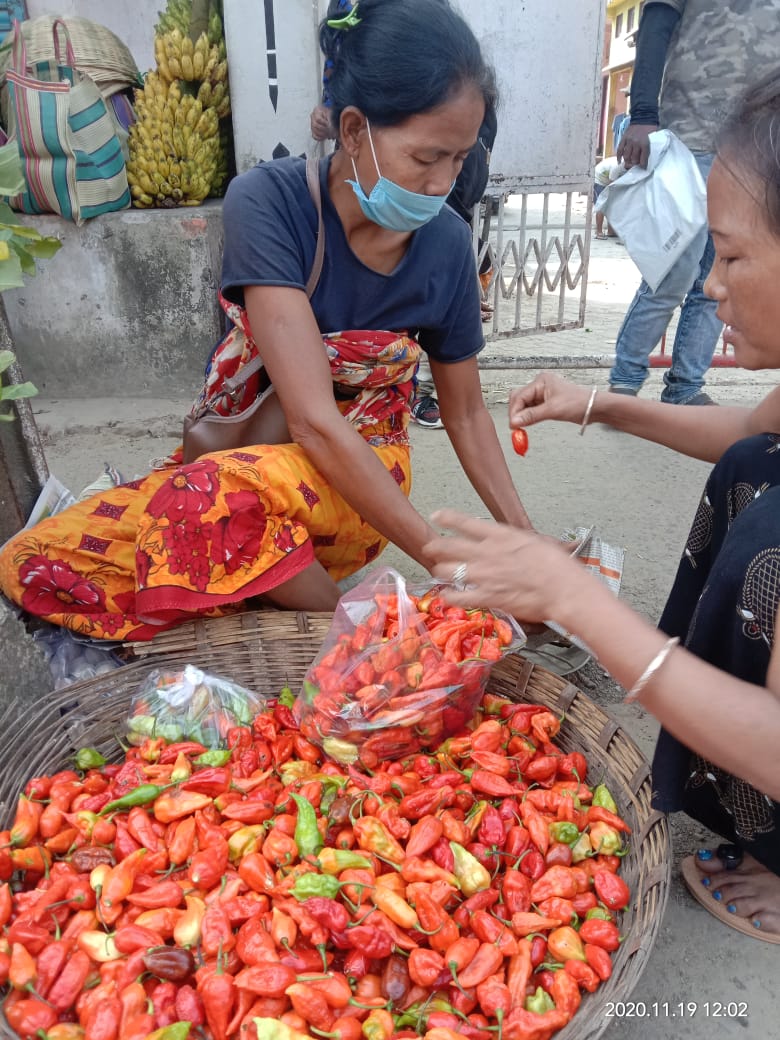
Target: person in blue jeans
705,53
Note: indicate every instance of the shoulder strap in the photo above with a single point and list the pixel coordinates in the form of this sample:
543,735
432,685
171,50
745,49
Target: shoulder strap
240,377
313,180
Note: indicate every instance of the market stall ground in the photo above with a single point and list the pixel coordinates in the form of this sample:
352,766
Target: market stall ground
639,496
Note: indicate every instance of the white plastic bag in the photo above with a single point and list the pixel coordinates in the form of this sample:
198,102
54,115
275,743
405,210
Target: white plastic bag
657,211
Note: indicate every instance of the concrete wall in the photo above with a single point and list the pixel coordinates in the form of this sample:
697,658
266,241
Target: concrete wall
128,305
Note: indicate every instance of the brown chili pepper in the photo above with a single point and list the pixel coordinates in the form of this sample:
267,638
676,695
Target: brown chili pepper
171,963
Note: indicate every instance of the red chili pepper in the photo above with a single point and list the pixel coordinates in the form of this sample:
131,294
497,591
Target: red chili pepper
70,982
207,866
30,1017
600,933
583,974
611,890
51,961
599,960
217,991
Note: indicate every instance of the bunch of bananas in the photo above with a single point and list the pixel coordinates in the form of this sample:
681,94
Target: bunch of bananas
177,15
175,148
178,149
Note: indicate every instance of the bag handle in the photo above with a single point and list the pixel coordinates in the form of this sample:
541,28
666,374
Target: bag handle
235,382
313,180
19,51
58,24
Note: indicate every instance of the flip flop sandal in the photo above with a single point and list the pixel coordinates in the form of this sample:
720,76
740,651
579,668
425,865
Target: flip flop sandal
692,876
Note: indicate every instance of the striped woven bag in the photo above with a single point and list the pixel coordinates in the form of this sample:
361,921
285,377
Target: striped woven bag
73,161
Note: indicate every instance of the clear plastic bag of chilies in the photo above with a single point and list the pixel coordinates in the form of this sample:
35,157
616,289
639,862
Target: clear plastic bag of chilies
190,704
400,670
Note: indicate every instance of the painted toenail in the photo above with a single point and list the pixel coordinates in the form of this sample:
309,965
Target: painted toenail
717,894
706,882
704,854
756,924
731,908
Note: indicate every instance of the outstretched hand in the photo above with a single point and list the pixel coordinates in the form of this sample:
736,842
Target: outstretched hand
548,397
521,572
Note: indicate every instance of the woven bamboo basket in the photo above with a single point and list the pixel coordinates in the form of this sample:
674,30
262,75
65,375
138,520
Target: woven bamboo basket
266,650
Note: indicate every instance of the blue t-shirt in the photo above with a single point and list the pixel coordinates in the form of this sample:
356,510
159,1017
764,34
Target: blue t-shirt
270,236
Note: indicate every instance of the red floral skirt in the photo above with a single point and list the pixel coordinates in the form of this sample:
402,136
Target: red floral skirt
194,540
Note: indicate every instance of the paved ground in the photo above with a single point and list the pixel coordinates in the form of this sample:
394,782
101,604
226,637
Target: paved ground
638,495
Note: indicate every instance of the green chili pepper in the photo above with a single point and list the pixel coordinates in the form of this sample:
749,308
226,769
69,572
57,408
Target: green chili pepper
307,836
309,886
286,697
581,848
341,751
598,913
309,690
174,1031
141,795
333,861
539,1002
603,798
568,833
88,758
472,876
272,1029
215,757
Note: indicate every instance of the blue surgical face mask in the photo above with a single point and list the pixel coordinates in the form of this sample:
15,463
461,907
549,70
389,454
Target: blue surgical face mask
392,206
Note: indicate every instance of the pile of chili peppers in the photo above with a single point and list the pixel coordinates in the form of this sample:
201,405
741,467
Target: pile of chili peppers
267,893
403,680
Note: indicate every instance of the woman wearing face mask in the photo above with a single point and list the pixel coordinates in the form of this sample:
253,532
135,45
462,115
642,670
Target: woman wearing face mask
287,521
712,672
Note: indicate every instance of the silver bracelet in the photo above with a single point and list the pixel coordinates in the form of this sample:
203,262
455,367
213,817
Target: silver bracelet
650,671
588,410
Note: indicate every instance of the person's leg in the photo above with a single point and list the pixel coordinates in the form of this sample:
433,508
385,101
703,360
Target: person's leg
723,604
648,317
311,589
698,329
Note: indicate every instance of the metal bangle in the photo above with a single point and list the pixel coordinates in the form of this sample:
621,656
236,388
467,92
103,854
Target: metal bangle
650,671
588,410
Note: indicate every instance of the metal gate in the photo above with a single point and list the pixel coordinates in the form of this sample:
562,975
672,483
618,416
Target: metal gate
539,261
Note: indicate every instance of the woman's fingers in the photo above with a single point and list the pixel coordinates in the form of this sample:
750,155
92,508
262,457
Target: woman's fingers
548,397
467,526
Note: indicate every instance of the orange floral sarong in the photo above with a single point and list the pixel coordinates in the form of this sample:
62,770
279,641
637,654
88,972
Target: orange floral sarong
198,540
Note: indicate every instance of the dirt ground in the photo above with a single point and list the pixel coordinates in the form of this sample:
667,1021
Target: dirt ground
639,496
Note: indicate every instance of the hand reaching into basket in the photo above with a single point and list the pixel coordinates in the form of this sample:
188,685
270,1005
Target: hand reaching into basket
534,579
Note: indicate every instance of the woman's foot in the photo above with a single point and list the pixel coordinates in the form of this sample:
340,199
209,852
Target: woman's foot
748,890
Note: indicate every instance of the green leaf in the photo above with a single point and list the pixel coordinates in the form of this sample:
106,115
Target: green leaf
43,248
7,215
7,358
11,170
18,390
11,273
6,417
25,259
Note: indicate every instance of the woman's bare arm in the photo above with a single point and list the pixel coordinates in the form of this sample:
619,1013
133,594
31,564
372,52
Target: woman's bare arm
703,432
473,435
291,347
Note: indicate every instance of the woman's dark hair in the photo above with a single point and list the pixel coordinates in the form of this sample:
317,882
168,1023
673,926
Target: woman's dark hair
750,141
403,57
